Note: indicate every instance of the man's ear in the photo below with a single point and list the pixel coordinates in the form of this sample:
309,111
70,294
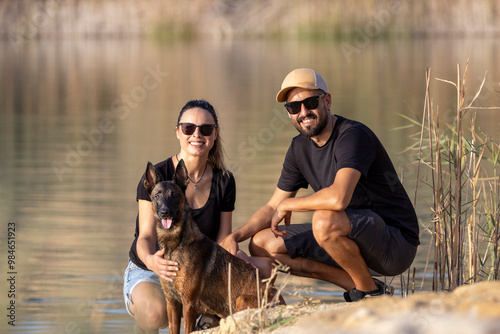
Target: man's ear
328,100
151,177
181,175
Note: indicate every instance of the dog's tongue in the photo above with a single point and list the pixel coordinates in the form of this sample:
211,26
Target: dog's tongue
167,223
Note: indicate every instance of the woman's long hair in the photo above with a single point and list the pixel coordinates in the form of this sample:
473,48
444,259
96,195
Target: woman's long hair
216,154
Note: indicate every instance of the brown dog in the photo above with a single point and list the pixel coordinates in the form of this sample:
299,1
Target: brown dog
201,284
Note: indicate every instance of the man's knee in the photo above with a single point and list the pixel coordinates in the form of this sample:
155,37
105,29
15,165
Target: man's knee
258,244
264,243
327,226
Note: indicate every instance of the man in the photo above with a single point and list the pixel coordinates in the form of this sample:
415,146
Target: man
363,220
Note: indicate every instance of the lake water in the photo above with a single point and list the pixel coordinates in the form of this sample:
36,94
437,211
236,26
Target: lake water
80,119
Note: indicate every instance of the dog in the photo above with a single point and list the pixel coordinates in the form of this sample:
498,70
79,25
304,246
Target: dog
201,284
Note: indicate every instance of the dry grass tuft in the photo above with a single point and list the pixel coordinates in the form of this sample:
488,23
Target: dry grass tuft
462,168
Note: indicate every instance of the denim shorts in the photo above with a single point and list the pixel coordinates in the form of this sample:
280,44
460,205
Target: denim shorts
134,275
383,247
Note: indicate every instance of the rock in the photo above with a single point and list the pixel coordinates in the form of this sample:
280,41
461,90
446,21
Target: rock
468,309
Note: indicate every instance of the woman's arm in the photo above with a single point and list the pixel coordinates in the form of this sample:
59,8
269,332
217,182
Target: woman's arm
226,225
146,244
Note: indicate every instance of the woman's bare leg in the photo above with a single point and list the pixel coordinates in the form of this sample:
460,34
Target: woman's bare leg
149,307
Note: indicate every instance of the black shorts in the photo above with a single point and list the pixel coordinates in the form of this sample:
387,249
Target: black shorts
385,250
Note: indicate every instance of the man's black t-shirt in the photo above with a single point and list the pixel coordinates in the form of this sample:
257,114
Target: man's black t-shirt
352,145
221,199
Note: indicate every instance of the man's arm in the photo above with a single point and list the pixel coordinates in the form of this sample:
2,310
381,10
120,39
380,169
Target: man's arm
259,221
335,198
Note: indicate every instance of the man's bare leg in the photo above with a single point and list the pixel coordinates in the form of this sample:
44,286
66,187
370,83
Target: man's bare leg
331,230
265,244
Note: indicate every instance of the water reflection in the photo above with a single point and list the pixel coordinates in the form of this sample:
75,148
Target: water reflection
79,121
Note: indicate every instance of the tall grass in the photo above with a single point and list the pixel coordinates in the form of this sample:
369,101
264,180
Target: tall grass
460,165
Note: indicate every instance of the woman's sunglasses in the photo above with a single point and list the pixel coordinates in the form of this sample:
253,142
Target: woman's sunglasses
189,128
310,103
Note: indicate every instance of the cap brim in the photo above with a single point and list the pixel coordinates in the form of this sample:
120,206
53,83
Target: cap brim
281,97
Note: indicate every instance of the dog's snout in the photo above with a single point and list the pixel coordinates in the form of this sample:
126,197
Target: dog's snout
164,213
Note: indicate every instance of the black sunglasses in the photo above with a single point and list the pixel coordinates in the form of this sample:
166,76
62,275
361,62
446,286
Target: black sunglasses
189,128
310,103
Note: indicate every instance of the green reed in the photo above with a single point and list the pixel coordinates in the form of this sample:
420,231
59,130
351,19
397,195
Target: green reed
460,165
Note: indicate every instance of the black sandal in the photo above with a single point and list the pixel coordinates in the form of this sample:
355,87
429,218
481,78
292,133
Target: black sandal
355,295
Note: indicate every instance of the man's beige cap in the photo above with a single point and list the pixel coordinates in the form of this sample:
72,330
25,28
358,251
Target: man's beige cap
303,78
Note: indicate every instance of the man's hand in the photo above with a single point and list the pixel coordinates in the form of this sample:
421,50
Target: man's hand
166,269
230,244
278,216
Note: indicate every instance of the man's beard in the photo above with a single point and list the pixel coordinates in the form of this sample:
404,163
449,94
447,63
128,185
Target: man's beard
312,131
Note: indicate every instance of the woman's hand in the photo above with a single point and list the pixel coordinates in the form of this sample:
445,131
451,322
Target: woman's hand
230,244
242,255
166,269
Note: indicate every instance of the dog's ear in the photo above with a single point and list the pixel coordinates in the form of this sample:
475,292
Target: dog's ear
151,177
181,176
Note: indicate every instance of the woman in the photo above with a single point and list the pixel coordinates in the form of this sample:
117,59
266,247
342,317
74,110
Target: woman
210,194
